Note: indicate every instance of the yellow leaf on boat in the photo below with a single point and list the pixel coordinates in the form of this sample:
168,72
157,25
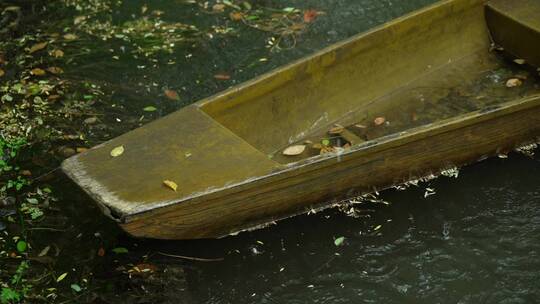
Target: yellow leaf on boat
379,121
294,150
117,151
513,82
170,184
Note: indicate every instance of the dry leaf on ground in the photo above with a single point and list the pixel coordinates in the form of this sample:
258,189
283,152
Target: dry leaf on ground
37,72
55,70
222,77
172,95
57,53
37,47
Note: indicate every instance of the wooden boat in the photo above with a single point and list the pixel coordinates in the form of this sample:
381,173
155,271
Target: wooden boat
415,96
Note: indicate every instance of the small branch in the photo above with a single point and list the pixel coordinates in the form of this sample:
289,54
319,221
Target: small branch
191,258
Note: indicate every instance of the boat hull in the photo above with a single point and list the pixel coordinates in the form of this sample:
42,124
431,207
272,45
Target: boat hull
418,95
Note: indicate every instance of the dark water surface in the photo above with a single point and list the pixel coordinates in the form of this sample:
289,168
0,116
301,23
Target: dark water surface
477,240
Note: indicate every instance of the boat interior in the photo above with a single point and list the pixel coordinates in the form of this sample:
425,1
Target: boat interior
411,72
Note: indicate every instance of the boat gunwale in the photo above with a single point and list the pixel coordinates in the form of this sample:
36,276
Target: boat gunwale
326,50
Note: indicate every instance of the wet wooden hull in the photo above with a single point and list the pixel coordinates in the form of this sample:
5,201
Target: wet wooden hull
225,152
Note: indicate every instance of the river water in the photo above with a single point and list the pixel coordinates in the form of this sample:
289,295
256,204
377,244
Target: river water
475,240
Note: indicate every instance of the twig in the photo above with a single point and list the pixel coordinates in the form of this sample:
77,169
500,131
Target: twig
191,258
47,229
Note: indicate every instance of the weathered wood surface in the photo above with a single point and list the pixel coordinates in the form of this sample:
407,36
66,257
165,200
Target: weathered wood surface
217,149
391,161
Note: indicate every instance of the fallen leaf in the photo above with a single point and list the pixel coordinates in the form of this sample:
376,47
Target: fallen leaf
21,246
170,184
513,82
379,121
2,73
222,77
57,53
325,142
144,267
120,250
53,97
70,36
61,277
336,130
44,251
37,47
294,150
520,61
117,151
149,109
310,15
26,173
229,3
37,72
79,19
91,120
377,228
76,287
339,241
172,95
218,8
236,16
81,149
55,70
101,252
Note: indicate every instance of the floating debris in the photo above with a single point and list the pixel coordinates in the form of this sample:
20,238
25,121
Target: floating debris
528,150
451,172
340,241
429,192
